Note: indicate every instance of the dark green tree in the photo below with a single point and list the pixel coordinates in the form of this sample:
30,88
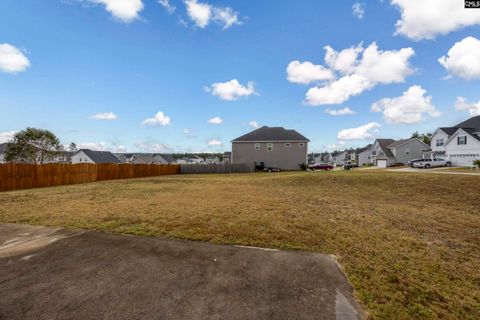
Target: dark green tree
424,137
33,146
72,147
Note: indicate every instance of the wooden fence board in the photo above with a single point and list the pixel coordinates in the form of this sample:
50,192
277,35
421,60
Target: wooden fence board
15,176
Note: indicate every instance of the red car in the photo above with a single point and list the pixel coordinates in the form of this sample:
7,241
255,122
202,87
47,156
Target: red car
320,166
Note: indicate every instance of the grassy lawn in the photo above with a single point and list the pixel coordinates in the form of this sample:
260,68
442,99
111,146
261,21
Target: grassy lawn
462,169
409,243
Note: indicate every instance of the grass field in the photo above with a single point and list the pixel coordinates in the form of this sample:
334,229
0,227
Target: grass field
409,243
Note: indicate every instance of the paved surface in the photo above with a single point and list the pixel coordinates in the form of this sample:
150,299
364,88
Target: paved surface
52,273
435,170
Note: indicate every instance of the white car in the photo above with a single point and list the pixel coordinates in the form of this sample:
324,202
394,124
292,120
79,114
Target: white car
431,163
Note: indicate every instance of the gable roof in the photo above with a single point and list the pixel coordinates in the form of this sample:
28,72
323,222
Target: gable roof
3,147
271,134
167,157
472,131
366,148
384,143
473,122
100,156
449,130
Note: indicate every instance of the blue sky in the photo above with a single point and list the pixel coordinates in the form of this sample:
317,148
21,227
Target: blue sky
65,62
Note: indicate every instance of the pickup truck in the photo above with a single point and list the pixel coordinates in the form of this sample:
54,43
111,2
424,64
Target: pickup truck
431,163
321,166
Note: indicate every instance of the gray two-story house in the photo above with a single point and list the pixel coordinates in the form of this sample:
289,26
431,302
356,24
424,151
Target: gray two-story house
275,146
388,152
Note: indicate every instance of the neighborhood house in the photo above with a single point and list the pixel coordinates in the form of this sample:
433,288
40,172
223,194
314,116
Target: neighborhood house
276,147
90,156
388,152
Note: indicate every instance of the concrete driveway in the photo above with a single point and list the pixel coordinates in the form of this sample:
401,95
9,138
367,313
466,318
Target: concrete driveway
53,273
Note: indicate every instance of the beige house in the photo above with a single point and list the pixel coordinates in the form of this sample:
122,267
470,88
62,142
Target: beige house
276,147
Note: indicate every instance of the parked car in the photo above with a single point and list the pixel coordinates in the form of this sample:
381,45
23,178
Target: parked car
432,163
321,166
411,162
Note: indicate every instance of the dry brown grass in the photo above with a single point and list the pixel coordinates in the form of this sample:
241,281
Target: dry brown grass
409,243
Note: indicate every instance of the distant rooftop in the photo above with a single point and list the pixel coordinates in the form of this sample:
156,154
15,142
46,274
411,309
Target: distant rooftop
271,134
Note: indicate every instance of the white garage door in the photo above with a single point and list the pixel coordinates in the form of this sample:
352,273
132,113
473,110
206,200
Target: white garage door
463,160
382,163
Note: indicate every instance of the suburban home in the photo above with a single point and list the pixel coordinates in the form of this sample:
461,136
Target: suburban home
274,146
387,152
90,156
212,160
339,157
227,157
3,148
145,158
324,157
362,155
459,144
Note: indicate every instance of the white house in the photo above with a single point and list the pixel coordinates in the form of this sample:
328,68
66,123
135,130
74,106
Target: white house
90,156
459,144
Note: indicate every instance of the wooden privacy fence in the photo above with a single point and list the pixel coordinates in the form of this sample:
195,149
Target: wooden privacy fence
15,176
216,168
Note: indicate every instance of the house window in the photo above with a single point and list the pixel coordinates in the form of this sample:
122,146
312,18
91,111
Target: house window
257,146
462,140
287,145
439,142
374,153
269,146
301,144
407,151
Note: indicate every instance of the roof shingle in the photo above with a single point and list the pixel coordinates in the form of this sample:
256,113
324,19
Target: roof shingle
271,134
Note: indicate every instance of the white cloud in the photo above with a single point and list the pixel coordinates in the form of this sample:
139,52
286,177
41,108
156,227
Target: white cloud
338,91
124,10
215,120
105,116
12,60
160,119
367,131
473,108
337,146
358,10
152,147
425,19
225,16
167,5
189,134
101,146
463,59
408,108
215,143
203,13
360,73
6,136
344,61
306,72
231,90
340,112
385,66
254,124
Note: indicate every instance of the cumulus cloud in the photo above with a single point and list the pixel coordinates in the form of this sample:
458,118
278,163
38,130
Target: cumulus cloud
105,116
160,119
358,10
426,19
215,143
360,69
12,60
203,13
463,59
367,131
167,5
254,124
344,61
6,136
408,108
306,72
473,108
215,120
231,90
336,146
124,10
102,146
152,147
340,112
338,91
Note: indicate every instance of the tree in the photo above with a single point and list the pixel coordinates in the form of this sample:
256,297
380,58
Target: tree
72,147
424,137
33,145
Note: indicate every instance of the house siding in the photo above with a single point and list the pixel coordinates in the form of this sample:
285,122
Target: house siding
415,151
462,155
81,157
285,158
363,158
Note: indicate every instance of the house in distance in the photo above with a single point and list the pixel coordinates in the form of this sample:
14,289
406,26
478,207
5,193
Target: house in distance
276,147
